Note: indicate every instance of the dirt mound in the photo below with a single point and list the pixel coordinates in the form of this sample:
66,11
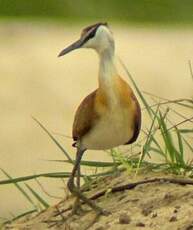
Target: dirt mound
159,204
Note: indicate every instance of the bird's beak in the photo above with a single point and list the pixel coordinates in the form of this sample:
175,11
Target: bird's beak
71,47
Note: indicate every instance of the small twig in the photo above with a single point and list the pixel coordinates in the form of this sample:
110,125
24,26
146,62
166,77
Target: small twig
180,123
44,190
133,185
167,101
63,211
179,114
59,212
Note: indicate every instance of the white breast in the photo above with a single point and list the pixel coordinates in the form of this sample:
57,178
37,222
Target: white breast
112,130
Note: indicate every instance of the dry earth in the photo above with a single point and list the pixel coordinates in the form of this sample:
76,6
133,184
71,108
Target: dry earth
154,206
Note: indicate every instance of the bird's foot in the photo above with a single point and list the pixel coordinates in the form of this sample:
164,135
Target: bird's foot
77,208
101,211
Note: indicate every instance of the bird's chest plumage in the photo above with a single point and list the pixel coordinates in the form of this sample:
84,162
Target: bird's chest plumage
113,128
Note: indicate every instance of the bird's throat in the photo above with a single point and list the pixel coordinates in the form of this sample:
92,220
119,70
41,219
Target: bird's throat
108,75
107,67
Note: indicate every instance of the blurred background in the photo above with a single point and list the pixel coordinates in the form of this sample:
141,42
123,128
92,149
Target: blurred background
139,11
154,38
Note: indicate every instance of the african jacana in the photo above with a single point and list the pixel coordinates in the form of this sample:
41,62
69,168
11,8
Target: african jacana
108,117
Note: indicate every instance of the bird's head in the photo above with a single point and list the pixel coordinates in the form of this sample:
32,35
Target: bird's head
97,36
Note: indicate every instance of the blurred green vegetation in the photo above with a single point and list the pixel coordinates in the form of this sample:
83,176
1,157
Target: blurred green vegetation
125,11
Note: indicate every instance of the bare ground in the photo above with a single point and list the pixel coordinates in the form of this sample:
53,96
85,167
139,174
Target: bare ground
158,205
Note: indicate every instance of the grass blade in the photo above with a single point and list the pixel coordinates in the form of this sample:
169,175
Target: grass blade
186,142
185,130
38,197
179,141
158,146
148,140
20,189
167,138
54,140
181,148
155,150
47,175
91,163
20,216
148,108
30,177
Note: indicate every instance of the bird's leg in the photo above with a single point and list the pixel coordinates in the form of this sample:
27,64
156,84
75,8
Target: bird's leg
76,191
77,204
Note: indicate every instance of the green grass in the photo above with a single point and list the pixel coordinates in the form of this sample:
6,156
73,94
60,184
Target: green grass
170,142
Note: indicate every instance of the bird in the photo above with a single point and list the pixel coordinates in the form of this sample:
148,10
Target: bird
108,117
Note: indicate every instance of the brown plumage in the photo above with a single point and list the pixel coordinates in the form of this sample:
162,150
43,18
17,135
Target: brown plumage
88,112
137,121
85,117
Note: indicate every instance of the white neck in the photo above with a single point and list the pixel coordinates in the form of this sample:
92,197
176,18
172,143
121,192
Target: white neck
107,68
108,76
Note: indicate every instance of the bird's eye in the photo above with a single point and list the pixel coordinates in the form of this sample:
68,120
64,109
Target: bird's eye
90,34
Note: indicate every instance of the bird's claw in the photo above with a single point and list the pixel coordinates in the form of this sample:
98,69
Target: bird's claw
103,212
77,209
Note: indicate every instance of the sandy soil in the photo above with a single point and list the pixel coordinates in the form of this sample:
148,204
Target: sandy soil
153,206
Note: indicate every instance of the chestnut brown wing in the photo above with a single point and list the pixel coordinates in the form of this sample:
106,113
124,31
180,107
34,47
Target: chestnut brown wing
137,121
129,98
85,117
